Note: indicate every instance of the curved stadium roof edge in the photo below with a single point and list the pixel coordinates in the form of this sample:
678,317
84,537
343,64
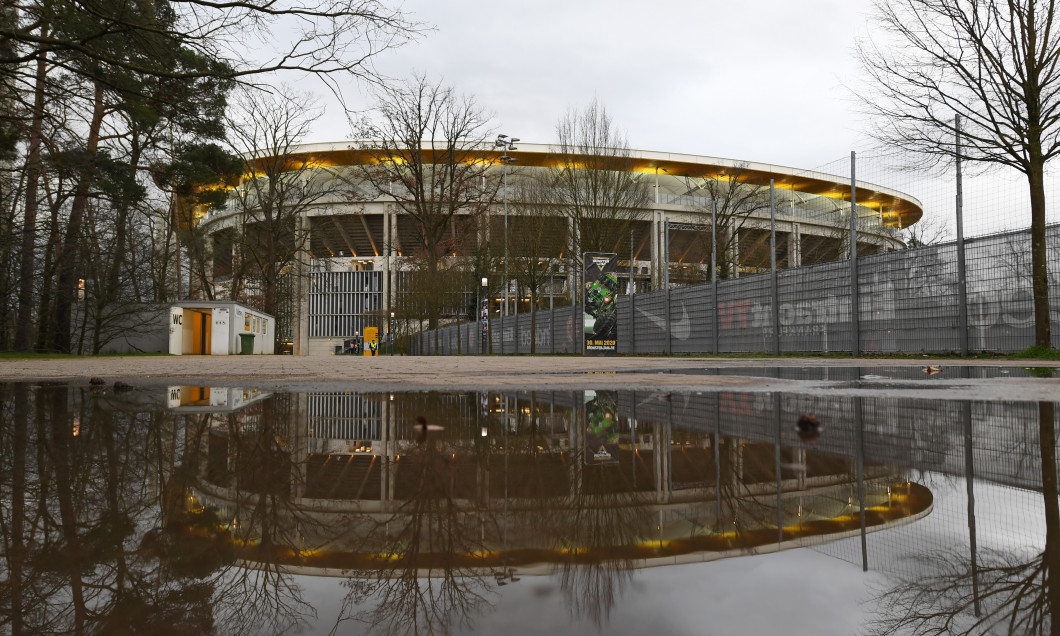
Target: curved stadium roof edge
899,209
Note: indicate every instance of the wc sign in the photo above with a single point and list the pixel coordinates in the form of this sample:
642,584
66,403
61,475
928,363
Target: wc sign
176,330
176,319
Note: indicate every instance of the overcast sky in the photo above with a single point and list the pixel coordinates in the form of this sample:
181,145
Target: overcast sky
760,81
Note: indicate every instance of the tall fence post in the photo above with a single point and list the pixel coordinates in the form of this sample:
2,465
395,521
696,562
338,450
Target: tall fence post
505,326
962,272
484,317
859,439
551,306
969,483
714,267
778,470
855,306
669,340
666,280
551,326
632,323
773,266
632,295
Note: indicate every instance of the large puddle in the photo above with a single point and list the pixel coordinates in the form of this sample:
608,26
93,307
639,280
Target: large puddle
235,510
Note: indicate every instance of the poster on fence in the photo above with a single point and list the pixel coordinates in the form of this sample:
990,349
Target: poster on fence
600,301
484,322
601,428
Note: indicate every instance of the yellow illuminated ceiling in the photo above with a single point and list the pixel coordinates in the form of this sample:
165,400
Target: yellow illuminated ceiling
898,210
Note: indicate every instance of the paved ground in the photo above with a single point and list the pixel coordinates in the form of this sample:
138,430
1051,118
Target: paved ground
877,376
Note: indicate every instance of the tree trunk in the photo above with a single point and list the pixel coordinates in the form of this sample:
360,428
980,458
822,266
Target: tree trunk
533,320
1039,268
65,475
46,310
24,326
68,261
17,554
1047,445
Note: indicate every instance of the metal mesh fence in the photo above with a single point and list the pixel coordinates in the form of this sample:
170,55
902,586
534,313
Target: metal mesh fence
785,281
550,331
908,302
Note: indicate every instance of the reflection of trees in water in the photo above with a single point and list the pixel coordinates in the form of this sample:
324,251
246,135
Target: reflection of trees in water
1010,591
102,537
1005,592
105,531
741,507
427,580
266,524
512,488
82,471
602,514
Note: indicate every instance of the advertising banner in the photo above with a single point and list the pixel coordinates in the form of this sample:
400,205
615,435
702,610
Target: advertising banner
484,322
601,301
601,428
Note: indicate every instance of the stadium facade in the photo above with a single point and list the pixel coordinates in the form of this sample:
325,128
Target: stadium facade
358,241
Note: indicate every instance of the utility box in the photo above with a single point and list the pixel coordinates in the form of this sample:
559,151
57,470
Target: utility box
371,341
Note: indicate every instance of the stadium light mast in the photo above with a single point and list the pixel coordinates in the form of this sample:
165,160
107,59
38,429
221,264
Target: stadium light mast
508,144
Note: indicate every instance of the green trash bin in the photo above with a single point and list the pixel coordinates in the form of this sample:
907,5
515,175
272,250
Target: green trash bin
246,343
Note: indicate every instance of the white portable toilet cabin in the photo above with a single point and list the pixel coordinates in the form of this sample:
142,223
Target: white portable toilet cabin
219,328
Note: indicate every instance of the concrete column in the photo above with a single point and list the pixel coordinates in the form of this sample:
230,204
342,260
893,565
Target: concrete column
303,282
387,257
795,246
657,463
383,452
390,449
734,254
657,250
299,443
572,273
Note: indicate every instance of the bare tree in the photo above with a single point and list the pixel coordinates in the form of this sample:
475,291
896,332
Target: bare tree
735,201
332,39
594,185
536,241
926,231
159,60
428,155
996,65
278,187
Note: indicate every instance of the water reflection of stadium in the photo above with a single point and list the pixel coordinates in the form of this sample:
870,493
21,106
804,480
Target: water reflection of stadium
518,478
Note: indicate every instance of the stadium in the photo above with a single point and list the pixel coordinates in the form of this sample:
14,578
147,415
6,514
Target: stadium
360,244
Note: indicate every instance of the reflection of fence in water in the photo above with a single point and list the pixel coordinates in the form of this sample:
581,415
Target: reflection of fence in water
977,456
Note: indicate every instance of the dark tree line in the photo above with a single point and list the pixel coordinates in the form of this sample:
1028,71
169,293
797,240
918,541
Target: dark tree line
113,139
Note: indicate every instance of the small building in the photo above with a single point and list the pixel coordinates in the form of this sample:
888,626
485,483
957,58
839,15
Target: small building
219,328
190,327
215,399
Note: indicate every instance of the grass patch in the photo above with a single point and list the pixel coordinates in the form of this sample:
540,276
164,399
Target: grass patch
1038,352
33,355
1041,372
